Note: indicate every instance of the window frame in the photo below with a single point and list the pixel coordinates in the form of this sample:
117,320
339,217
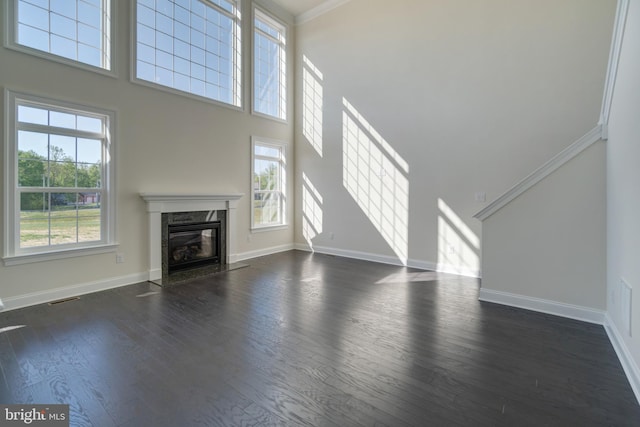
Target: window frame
237,64
13,253
11,41
283,28
282,146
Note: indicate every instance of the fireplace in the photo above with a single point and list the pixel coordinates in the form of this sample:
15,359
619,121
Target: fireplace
193,245
177,210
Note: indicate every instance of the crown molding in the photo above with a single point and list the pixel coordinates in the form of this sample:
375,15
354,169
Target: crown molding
321,9
612,68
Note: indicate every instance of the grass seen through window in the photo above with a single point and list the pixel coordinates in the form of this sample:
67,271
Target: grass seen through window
60,225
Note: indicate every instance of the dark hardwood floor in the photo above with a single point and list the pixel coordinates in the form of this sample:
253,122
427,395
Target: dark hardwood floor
311,340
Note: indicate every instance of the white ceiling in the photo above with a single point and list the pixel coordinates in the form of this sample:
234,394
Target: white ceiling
296,7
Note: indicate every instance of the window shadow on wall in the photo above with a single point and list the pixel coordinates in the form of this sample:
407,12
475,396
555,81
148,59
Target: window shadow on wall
377,178
312,104
311,210
458,246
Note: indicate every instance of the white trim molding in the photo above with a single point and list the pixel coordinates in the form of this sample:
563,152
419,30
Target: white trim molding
612,67
364,256
387,259
41,297
576,312
321,9
159,203
624,355
264,252
14,253
591,137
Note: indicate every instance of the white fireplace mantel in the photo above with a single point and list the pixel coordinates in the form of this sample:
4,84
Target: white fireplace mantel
159,203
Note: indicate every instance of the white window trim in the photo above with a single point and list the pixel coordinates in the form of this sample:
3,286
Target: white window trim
282,145
11,43
238,78
285,27
12,254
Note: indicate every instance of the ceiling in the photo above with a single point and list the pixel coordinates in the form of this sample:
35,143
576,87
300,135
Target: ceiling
297,7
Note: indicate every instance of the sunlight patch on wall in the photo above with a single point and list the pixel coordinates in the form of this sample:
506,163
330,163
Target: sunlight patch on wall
376,176
458,246
312,104
311,210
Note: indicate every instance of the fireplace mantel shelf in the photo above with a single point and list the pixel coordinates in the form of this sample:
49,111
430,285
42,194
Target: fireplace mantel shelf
174,202
158,197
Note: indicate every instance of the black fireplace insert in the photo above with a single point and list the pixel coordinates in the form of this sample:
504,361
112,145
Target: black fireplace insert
193,245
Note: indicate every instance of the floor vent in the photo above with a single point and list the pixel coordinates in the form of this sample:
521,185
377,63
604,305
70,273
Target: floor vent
60,301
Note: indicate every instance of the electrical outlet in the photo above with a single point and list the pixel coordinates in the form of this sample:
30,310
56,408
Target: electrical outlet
331,235
119,258
481,196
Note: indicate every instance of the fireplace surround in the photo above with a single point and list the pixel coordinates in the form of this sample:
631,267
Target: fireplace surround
181,209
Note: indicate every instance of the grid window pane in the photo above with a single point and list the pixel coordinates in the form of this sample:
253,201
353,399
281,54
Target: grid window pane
59,176
268,184
89,220
48,219
192,35
269,74
74,29
34,219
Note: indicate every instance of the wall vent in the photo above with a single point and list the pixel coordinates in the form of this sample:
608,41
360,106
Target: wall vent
60,301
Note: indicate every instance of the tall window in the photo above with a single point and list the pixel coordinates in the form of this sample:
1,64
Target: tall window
269,66
76,31
191,46
268,183
59,176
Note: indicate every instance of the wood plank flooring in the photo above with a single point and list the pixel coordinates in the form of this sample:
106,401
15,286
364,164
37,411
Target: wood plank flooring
300,339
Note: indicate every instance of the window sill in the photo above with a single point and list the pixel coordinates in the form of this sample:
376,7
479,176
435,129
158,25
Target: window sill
109,72
194,96
269,228
50,256
270,117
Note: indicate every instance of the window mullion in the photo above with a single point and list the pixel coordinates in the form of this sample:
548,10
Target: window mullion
32,127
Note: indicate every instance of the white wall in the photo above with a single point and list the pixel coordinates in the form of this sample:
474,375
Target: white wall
549,243
450,99
623,193
165,143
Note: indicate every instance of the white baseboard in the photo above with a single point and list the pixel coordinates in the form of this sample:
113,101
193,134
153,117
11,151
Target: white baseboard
25,300
386,259
49,295
570,311
346,253
624,355
155,274
262,252
458,270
